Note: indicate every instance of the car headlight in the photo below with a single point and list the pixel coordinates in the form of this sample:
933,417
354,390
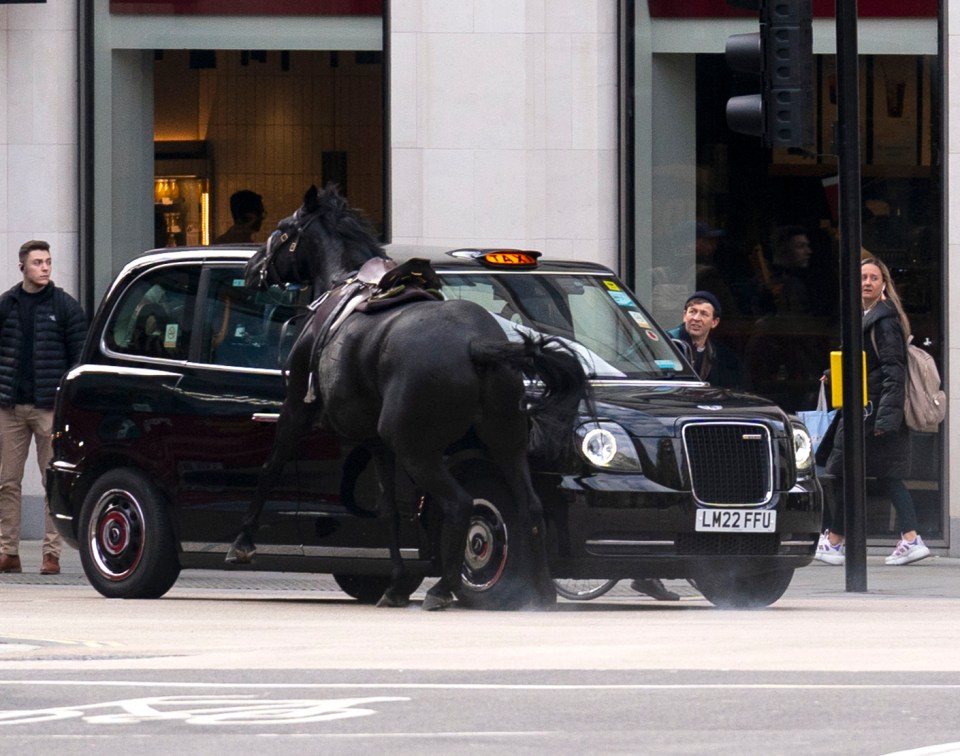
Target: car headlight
803,450
607,446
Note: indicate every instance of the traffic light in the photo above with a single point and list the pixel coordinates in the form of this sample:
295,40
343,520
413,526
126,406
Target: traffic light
781,54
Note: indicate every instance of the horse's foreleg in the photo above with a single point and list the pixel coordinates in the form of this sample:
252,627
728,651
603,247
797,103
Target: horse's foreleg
386,464
295,420
456,504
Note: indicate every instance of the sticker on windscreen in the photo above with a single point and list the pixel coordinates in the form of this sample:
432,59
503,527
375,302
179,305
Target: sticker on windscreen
667,365
621,298
639,319
612,285
652,335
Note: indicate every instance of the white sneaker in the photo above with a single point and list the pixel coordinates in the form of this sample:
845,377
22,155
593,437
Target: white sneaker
830,554
907,552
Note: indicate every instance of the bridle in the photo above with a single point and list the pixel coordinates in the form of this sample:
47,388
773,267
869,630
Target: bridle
278,241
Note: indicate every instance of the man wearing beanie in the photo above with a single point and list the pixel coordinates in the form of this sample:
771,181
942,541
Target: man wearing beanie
713,362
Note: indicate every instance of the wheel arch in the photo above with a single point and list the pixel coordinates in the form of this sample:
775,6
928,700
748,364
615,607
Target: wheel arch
113,461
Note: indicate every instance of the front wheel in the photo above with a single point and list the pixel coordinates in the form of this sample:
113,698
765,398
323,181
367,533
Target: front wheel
738,588
582,590
127,546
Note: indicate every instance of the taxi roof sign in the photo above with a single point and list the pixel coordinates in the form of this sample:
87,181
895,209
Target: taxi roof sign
501,258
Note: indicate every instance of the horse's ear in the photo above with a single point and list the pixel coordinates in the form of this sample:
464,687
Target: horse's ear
310,198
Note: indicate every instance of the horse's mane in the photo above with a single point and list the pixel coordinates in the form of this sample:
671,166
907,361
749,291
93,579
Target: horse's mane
348,225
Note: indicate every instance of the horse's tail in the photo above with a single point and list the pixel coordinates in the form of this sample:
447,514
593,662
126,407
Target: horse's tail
549,360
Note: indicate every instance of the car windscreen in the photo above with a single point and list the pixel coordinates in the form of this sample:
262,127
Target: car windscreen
595,314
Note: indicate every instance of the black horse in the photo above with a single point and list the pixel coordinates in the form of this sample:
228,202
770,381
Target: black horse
410,381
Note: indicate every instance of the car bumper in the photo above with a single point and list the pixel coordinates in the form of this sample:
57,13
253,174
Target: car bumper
62,479
625,526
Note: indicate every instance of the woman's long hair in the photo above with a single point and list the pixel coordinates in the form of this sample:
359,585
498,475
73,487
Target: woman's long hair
891,292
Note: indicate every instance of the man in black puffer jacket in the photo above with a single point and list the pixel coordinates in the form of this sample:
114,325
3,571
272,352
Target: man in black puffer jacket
42,329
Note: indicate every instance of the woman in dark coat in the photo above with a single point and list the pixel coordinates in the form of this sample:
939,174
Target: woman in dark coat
887,439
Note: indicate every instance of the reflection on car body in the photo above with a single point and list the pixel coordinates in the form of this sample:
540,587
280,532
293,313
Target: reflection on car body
161,432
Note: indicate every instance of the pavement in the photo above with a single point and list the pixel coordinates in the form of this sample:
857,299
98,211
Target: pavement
934,577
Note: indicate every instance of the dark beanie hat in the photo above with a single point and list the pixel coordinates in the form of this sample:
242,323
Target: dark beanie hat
706,296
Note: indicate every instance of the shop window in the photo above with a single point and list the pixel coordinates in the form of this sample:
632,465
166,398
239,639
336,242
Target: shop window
756,207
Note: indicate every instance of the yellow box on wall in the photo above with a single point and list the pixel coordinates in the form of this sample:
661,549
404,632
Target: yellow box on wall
836,379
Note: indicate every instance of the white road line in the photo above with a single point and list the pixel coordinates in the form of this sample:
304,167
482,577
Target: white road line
486,686
418,734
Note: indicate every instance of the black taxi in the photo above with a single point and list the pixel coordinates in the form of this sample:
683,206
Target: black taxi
161,431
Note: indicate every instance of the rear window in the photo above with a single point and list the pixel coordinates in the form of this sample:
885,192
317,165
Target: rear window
155,315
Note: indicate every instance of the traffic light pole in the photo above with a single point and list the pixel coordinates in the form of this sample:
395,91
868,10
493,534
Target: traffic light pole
848,154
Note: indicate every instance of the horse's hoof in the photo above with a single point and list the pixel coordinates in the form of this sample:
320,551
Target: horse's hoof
393,600
240,556
433,603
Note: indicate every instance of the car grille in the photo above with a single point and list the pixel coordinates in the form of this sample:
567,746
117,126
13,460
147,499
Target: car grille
729,463
728,544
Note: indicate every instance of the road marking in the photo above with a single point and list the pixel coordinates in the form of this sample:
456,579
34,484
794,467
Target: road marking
419,735
944,749
13,648
488,686
14,639
204,710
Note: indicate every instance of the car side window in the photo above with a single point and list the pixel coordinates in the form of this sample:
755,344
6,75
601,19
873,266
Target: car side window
246,327
155,315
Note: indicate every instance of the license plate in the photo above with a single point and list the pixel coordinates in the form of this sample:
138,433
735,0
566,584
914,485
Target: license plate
736,520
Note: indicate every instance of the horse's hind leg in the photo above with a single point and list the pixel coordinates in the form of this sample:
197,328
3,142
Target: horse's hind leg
295,420
504,432
516,472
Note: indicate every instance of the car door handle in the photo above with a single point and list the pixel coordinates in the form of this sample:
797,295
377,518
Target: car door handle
266,417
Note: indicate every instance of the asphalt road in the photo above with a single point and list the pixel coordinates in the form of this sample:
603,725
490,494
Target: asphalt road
278,663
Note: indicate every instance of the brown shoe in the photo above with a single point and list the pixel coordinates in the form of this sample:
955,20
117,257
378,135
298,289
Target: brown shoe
50,565
10,563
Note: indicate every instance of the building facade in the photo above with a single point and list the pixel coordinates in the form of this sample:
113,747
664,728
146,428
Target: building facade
590,130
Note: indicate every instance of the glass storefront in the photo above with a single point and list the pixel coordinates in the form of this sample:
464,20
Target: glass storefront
184,106
270,122
759,227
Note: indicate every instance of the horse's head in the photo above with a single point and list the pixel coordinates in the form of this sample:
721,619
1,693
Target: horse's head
321,243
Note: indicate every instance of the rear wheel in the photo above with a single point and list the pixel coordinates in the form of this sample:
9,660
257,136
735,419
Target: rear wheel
582,590
367,589
740,588
127,546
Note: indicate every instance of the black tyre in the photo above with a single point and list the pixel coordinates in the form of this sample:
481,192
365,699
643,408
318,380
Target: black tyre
367,589
574,589
742,589
127,546
495,573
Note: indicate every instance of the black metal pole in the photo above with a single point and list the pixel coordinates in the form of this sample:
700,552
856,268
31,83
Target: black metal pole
848,152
